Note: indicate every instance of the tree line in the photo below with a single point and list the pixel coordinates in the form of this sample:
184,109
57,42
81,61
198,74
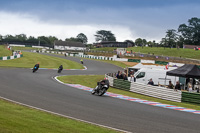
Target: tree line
185,34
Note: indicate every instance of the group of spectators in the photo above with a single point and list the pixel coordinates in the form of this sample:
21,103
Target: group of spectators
170,86
123,75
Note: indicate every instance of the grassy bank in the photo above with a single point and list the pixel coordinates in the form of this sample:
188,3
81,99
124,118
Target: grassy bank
91,80
25,48
30,59
173,52
4,51
19,119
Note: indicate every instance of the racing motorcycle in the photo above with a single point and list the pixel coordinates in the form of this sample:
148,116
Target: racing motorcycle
60,69
100,89
35,69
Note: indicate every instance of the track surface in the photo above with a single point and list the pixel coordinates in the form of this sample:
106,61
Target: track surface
42,91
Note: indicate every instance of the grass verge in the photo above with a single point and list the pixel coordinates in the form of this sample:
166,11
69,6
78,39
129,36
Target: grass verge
4,51
25,48
91,80
171,52
30,59
19,119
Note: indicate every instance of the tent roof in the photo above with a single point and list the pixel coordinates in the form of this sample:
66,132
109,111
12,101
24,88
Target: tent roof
188,70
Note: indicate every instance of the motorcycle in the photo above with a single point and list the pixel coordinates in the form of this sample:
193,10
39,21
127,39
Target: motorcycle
60,69
100,89
35,69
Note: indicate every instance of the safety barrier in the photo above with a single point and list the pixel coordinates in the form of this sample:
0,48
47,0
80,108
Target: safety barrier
11,57
156,91
191,97
134,60
122,84
148,90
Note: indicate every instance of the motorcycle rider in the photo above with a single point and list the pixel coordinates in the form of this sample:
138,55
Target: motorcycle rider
60,68
100,84
81,61
36,67
105,81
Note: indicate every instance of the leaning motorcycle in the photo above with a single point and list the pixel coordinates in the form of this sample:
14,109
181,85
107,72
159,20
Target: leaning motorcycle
100,89
35,69
59,70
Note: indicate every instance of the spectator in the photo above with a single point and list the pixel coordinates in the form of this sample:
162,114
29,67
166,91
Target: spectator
170,86
177,86
151,82
190,85
125,76
117,75
132,78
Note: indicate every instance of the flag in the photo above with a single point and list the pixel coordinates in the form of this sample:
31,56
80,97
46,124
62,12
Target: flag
167,66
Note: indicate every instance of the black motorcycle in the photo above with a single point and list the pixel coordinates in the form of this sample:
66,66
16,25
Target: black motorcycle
35,69
60,69
100,89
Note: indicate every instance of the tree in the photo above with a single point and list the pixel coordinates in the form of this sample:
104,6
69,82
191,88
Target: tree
138,42
44,41
21,37
191,33
171,37
52,39
104,35
32,39
82,37
163,42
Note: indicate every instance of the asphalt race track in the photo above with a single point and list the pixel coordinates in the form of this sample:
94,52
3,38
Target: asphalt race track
42,91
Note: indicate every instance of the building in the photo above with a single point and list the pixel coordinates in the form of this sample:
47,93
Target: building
191,46
114,44
66,45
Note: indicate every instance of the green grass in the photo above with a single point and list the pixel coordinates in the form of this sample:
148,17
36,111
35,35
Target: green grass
105,49
91,80
30,59
19,119
25,48
4,51
173,52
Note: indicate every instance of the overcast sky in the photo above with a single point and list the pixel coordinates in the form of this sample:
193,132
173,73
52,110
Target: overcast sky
127,19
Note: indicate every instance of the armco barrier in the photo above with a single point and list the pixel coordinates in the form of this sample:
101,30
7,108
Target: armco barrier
191,97
134,60
148,90
122,84
156,91
161,62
